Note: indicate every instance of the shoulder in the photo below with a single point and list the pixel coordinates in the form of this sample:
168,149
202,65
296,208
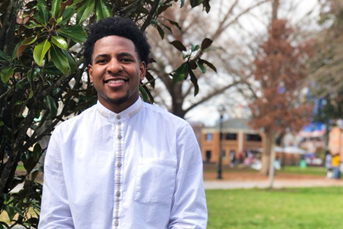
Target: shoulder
76,121
162,115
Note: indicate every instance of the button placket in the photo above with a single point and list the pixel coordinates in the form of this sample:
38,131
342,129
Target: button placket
118,173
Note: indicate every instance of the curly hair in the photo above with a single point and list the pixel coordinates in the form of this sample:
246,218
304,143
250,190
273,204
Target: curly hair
117,26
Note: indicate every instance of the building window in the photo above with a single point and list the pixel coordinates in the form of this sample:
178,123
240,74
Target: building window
208,155
253,137
230,136
209,137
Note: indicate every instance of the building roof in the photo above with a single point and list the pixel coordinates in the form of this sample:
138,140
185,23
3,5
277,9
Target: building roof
234,124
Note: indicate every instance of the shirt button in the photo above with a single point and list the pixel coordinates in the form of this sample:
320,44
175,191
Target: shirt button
118,116
116,223
119,136
118,164
118,193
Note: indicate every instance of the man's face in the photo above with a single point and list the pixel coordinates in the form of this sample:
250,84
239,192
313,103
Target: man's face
116,71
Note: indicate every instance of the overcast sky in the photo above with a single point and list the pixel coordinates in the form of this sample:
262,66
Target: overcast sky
256,23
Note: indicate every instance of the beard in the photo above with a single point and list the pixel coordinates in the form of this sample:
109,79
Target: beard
118,101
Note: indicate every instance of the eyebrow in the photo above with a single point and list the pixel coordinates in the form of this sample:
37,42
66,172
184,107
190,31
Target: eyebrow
118,55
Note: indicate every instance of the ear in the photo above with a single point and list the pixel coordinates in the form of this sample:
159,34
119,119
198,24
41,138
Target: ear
90,73
142,68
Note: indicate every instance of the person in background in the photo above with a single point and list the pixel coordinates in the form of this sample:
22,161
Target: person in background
232,156
122,163
335,163
328,164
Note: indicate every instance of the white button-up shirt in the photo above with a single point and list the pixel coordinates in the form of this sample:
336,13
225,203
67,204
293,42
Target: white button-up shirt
141,168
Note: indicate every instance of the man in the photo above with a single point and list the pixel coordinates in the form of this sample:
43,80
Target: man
122,163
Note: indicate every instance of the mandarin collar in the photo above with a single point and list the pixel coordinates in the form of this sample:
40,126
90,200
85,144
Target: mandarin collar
124,115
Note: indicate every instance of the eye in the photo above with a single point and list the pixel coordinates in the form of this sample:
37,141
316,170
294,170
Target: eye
126,59
101,61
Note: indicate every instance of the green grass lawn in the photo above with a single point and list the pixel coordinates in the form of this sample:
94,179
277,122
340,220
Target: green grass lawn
309,170
296,208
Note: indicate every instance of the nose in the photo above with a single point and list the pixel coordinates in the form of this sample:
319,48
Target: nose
114,66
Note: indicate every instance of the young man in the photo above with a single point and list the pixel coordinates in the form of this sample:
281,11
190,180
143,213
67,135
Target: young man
122,163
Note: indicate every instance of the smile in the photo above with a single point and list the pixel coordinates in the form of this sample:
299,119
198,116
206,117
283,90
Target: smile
115,81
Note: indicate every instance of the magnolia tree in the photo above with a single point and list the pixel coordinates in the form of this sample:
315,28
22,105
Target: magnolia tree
43,82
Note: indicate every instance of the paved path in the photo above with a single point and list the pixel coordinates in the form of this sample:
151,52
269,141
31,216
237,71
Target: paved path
264,183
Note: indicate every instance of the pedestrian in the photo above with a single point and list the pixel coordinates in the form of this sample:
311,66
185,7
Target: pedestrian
335,163
328,162
232,156
122,163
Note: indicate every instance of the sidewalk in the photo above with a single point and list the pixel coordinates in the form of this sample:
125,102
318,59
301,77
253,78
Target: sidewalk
278,183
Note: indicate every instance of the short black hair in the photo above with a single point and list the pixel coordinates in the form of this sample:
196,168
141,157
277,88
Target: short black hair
117,26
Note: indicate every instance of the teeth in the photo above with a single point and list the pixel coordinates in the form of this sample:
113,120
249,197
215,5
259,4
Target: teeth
116,81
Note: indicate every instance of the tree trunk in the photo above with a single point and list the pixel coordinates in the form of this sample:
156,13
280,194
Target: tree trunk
177,100
271,164
267,149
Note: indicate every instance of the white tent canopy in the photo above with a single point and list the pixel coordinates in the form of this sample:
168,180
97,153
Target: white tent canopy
288,150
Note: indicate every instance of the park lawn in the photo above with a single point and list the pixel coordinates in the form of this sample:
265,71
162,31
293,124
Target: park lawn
293,208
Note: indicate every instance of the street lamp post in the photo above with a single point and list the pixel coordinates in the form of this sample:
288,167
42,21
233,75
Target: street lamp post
221,110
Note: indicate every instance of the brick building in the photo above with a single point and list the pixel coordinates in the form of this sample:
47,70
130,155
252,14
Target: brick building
237,137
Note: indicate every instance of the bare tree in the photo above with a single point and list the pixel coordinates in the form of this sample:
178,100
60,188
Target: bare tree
226,53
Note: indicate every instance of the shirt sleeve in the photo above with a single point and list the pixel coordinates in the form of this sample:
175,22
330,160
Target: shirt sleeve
55,211
189,203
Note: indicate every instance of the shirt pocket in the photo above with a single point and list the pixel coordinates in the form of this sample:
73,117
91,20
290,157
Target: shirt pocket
155,181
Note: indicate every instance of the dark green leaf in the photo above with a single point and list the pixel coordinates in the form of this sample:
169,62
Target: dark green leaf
178,45
55,8
147,95
76,33
160,31
206,43
182,3
64,5
84,11
14,53
42,14
71,61
59,59
174,23
195,3
24,45
195,48
180,73
31,93
162,8
40,51
50,102
208,64
3,56
32,25
206,4
192,64
102,10
59,42
194,81
143,93
6,72
10,212
1,123
167,27
150,79
75,2
67,14
201,67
